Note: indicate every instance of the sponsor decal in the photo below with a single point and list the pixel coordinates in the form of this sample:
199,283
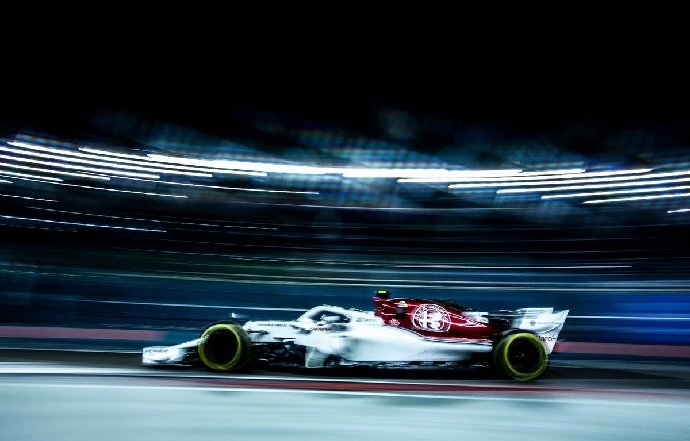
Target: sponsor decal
549,323
365,320
319,328
430,317
402,304
394,322
155,350
548,337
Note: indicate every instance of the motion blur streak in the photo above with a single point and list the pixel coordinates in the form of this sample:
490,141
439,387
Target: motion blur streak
28,177
219,187
168,164
407,390
603,193
79,167
26,197
638,198
183,228
45,170
81,224
115,409
174,296
72,157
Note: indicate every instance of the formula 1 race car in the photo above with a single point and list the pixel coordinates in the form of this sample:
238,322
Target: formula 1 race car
398,333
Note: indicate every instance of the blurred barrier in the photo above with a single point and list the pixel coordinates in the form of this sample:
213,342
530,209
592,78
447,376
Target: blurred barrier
647,350
134,339
123,309
80,334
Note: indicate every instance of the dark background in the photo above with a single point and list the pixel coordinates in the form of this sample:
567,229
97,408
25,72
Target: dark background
595,94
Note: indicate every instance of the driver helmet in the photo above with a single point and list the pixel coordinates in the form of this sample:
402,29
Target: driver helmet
382,293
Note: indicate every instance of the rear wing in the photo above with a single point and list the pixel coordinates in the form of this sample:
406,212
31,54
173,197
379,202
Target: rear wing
544,322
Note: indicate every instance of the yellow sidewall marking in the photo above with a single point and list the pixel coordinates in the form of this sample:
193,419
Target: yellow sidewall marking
505,365
240,348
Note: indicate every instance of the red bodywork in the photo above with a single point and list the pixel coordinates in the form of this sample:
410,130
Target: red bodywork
434,319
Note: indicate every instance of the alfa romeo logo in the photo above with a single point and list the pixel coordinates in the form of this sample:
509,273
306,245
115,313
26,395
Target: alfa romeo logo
430,317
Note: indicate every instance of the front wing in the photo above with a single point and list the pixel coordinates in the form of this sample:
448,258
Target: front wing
183,354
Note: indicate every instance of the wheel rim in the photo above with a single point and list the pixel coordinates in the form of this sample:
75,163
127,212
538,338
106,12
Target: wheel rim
524,356
221,347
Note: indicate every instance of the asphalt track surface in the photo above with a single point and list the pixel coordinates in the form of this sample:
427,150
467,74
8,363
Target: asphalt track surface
86,395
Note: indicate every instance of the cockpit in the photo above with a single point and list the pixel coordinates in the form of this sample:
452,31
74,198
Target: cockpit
324,314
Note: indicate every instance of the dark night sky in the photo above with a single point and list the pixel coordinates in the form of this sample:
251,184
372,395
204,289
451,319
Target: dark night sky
530,76
522,105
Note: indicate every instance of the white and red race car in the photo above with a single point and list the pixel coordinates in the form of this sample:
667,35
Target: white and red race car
398,333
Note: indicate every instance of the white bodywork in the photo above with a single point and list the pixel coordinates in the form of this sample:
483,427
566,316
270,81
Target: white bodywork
385,344
354,336
318,320
544,322
168,355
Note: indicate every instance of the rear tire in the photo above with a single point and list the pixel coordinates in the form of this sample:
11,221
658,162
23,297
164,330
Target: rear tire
521,356
226,347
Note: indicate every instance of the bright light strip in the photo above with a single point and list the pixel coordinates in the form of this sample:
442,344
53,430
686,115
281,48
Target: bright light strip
425,175
637,198
79,224
65,155
130,158
228,166
311,170
2,181
391,173
564,171
26,197
594,177
48,170
635,183
273,168
680,210
29,177
577,177
499,175
52,210
605,193
158,221
113,190
79,167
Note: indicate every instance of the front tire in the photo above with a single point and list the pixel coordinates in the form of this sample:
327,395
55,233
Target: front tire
521,356
225,347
